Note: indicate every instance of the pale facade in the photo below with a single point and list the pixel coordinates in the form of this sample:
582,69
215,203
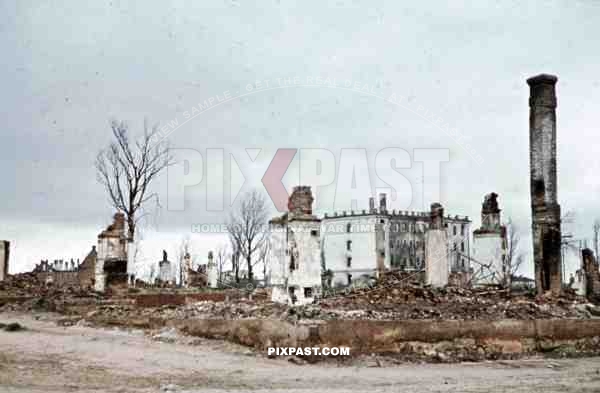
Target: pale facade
165,270
212,279
490,245
355,246
359,245
295,259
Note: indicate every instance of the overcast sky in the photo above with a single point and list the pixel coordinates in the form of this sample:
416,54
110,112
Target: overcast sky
69,67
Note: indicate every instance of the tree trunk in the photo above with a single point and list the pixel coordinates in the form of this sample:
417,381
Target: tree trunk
249,261
237,269
131,227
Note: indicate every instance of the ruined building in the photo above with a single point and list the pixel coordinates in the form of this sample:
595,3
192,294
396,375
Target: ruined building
436,249
62,273
111,259
165,270
211,272
296,256
490,244
186,267
545,209
591,275
4,254
360,245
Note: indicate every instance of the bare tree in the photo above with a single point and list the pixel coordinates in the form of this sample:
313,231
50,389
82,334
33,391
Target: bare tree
246,227
235,260
596,232
263,257
514,256
152,274
220,260
127,168
182,251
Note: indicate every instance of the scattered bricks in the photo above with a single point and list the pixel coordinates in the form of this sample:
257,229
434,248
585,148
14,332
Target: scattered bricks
180,299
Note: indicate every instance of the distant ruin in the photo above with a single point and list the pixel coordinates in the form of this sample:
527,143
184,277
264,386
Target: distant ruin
490,244
111,261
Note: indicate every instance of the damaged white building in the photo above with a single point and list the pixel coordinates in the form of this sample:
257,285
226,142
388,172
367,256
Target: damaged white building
111,260
296,253
360,245
357,246
490,244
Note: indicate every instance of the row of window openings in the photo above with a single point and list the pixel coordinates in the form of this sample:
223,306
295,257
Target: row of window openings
405,227
410,244
406,261
308,292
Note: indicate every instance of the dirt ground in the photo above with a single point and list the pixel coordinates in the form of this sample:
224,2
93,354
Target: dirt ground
49,358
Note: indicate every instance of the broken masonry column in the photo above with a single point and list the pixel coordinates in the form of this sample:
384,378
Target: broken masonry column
111,259
211,272
186,264
591,274
382,203
545,209
489,245
4,254
371,205
165,271
436,249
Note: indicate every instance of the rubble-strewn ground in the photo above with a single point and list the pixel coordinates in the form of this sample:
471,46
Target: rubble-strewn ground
391,299
46,358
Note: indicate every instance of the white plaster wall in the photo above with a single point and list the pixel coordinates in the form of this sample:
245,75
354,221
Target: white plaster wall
165,272
580,284
455,261
487,250
108,248
277,256
99,278
308,273
131,254
436,257
211,275
306,235
364,247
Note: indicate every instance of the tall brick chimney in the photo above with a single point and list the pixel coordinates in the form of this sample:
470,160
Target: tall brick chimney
371,205
382,202
544,206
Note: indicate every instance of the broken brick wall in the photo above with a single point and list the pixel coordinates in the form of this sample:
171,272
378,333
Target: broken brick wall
59,278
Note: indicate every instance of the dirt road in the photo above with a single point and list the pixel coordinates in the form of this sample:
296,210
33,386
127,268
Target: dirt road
48,358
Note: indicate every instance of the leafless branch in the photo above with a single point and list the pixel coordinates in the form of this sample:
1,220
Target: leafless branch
126,169
247,229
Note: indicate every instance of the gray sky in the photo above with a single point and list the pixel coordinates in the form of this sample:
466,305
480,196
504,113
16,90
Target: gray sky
69,67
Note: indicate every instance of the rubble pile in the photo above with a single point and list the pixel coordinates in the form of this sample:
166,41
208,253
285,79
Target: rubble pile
405,304
25,292
395,298
392,298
